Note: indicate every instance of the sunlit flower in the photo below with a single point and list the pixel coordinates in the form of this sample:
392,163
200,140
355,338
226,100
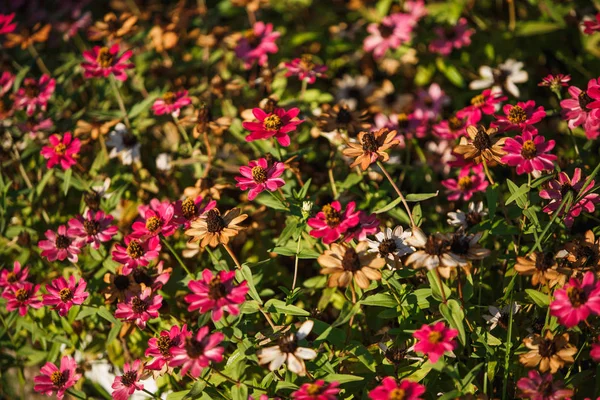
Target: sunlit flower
103,62
60,245
391,389
318,390
124,145
112,28
434,341
305,69
592,26
94,227
548,353
577,112
480,146
332,222
485,103
541,267
140,308
94,129
500,316
452,37
62,150
542,387
522,116
33,95
257,44
217,294
506,76
120,287
156,218
368,224
371,147
63,294
54,379
259,176
451,128
474,215
583,253
341,118
390,33
432,252
125,385
469,182
190,209
345,264
465,247
555,82
529,153
136,252
391,244
575,301
21,296
212,228
6,23
197,352
160,347
28,37
171,103
15,277
277,124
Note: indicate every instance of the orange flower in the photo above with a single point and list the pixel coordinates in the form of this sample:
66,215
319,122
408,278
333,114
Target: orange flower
344,264
481,147
112,28
39,34
548,353
213,229
94,129
371,147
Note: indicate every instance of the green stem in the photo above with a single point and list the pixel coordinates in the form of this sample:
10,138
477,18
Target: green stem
179,260
38,60
115,88
508,348
183,133
487,173
400,195
296,262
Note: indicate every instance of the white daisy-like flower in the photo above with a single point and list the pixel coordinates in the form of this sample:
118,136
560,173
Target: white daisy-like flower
98,192
506,76
124,145
475,214
163,162
352,90
391,244
499,317
288,350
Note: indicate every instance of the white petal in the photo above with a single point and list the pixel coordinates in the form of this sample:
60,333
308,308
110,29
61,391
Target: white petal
296,366
305,353
277,362
305,329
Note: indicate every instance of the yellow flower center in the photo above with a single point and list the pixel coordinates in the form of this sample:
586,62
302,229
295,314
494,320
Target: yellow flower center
528,151
478,100
65,294
516,115
577,297
397,394
369,143
59,378
22,295
259,174
332,216
105,59
135,249
465,183
272,123
153,224
60,149
188,208
306,62
435,337
455,123
313,389
169,97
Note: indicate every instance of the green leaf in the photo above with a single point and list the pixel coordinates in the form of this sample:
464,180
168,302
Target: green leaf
518,193
380,300
239,392
434,283
44,181
530,28
539,298
455,317
143,105
413,197
389,206
491,195
342,378
345,315
67,180
450,72
196,390
246,274
107,315
271,202
114,331
278,306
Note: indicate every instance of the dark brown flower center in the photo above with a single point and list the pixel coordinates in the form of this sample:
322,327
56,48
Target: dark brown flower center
21,295
92,200
91,227
65,294
105,59
482,140
460,244
528,151
455,123
544,261
478,100
589,254
169,98
547,348
395,355
566,188
188,208
397,394
369,143
403,121
473,218
164,344
62,242
272,123
214,222
465,183
141,275
216,289
584,100
138,305
386,30
194,348
516,115
332,216
121,282
259,174
11,277
59,379
129,378
387,246
129,140
60,149
435,245
350,261
251,38
288,343
577,296
32,89
344,116
135,249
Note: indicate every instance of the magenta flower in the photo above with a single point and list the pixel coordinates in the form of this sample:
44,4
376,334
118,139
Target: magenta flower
6,82
160,348
190,209
434,341
6,23
101,62
61,151
305,69
259,176
519,117
555,82
60,245
34,94
575,301
15,277
21,296
484,103
416,9
558,189
469,182
393,30
332,222
529,153
94,227
276,124
63,295
140,308
216,293
451,128
197,352
171,103
53,379
595,351
136,252
391,389
156,218
257,44
450,38
126,384
368,224
429,103
541,387
577,109
589,27
318,390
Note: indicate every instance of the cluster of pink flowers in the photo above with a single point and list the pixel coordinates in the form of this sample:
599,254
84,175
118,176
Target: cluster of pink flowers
583,108
332,222
305,69
450,38
390,388
257,44
471,179
577,300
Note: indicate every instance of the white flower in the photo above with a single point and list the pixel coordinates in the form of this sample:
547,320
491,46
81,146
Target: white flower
497,316
287,350
474,216
163,162
125,145
350,90
391,244
507,75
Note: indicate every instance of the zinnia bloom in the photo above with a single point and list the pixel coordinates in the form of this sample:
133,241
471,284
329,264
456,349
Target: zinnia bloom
589,26
469,182
257,44
548,353
555,82
6,23
22,296
57,380
61,151
216,293
190,209
331,222
480,146
124,145
595,351
157,218
506,76
432,252
529,153
583,253
259,175
393,30
435,340
103,62
391,244
558,189
522,116
94,227
160,348
16,276
140,308
345,264
63,295
212,229
485,103
391,389
371,147
577,110
305,69
136,252
318,390
126,384
197,352
541,387
275,124
575,301
34,94
60,245
541,267
454,37
171,103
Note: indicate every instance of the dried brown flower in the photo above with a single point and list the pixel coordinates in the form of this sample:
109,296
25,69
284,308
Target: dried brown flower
371,147
213,229
542,268
548,353
341,117
113,28
480,146
344,264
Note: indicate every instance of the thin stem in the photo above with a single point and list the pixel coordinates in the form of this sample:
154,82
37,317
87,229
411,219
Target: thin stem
296,262
303,90
441,284
22,170
115,88
179,260
508,347
151,394
38,60
276,145
387,175
332,182
487,172
512,15
235,260
268,318
183,133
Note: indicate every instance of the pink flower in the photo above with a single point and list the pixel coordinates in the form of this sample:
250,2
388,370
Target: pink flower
102,62
454,37
6,81
331,222
469,182
60,245
391,389
197,352
140,308
577,109
541,387
429,103
318,390
156,218
555,82
55,379
15,277
160,348
259,175
190,209
6,23
61,151
520,117
484,103
393,30
558,189
136,252
62,294
94,228
257,44
435,340
529,153
367,225
171,103
416,9
216,294
305,69
276,124
595,351
126,384
21,296
589,27
575,301
450,129
33,94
